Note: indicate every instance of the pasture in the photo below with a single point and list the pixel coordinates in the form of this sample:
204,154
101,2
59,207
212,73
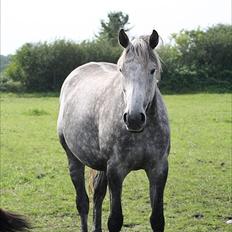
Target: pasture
35,179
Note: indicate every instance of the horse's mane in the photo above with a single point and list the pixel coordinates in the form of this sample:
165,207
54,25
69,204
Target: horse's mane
143,52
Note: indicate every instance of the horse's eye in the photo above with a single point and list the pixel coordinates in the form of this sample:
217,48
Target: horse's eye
120,70
152,71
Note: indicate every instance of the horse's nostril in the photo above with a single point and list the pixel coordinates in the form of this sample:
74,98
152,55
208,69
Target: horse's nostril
125,117
142,117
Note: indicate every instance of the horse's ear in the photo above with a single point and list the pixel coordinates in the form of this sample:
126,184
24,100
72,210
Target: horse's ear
123,38
154,39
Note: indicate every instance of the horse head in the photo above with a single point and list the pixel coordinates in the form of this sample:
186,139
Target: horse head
140,70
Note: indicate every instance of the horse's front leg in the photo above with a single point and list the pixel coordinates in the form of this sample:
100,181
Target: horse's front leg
157,175
115,177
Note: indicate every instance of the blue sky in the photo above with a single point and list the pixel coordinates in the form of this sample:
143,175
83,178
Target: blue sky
39,20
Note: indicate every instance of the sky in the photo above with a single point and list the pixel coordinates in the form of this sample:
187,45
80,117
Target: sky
25,21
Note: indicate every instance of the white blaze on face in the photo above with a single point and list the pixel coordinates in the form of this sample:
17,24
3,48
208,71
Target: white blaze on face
139,87
135,88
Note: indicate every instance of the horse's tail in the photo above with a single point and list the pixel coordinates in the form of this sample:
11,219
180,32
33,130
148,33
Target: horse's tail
92,173
11,222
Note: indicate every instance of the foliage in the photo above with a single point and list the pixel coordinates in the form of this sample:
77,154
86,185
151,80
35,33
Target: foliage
4,61
109,29
195,60
7,85
35,179
198,60
43,66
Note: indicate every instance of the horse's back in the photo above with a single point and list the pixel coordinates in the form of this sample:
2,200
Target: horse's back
92,73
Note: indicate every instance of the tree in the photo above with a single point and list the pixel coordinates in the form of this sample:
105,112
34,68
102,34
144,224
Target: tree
44,66
109,29
196,60
4,61
199,60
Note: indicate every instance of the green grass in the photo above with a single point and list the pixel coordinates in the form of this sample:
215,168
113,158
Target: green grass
35,179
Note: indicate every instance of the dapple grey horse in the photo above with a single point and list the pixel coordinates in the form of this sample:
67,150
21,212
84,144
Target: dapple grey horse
112,119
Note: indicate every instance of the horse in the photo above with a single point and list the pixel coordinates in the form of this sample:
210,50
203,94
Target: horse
11,222
112,118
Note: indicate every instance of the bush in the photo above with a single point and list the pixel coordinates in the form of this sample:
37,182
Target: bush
196,60
12,86
43,66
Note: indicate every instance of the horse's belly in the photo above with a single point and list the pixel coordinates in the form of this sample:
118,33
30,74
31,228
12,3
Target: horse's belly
83,143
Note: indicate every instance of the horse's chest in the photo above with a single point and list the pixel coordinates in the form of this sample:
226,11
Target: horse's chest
136,151
141,153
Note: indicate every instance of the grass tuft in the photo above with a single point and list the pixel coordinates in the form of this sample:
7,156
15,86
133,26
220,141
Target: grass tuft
36,112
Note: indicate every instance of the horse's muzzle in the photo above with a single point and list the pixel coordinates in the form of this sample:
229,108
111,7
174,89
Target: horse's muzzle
134,122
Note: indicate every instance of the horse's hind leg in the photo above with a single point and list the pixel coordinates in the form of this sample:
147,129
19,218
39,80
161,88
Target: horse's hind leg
100,185
77,171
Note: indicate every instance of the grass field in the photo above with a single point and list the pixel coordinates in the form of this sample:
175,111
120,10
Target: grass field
35,179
